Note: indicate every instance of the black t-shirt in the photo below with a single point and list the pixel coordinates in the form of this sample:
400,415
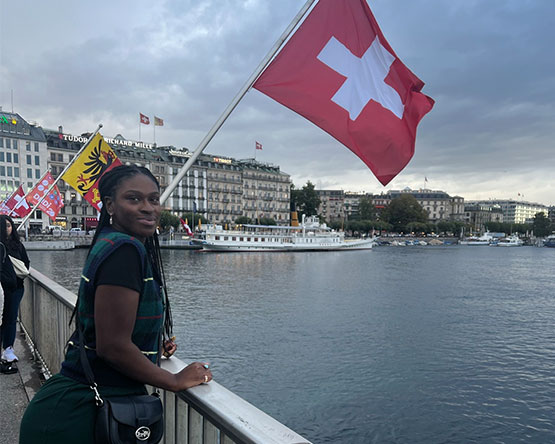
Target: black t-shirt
122,268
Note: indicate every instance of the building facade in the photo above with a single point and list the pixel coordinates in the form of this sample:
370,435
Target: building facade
332,205
518,212
23,158
477,215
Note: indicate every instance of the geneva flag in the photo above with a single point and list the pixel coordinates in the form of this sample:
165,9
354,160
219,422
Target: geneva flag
339,72
96,159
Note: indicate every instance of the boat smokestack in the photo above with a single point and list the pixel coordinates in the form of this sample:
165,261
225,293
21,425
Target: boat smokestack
294,219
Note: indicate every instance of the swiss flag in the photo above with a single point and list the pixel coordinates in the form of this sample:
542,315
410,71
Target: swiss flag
144,119
339,72
17,203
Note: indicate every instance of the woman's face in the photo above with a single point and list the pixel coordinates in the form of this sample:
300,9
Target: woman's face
9,228
135,209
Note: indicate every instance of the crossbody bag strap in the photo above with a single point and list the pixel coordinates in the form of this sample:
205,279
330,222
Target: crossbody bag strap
86,365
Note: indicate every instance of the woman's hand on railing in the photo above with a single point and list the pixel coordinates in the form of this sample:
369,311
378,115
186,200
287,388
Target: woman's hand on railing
194,374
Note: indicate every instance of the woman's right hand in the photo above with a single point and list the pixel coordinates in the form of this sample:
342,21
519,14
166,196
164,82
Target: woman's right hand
192,375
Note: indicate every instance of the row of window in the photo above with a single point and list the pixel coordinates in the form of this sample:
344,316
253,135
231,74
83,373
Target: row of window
13,144
14,158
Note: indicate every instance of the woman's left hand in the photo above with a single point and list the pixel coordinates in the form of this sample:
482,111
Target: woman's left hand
169,347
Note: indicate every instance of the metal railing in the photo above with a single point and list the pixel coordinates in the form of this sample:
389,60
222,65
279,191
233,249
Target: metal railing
206,414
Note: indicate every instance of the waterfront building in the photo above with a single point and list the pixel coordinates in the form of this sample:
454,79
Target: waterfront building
218,188
477,215
22,159
551,213
351,202
332,205
266,191
518,212
439,205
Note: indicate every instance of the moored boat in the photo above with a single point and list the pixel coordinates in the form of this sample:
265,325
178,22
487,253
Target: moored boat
311,235
484,239
510,241
549,241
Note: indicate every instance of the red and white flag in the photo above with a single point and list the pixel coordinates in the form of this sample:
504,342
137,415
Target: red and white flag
258,145
17,204
186,227
144,119
53,202
339,72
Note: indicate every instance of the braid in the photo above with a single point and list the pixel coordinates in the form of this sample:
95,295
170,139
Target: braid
107,187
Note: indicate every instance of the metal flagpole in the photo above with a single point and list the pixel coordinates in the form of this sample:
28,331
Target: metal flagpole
71,162
235,101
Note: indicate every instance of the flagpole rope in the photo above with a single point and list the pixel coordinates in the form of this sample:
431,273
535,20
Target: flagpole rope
22,223
248,84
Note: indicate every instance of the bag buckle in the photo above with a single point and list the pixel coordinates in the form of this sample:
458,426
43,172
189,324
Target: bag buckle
97,399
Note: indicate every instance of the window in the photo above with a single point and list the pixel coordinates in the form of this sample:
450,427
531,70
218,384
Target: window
15,144
16,172
10,172
37,174
2,170
52,156
36,147
8,143
8,157
29,159
37,160
1,156
15,158
28,146
1,142
60,158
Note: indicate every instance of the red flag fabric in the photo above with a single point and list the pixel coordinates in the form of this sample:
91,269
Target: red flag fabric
52,203
339,72
40,188
258,145
17,204
144,119
186,227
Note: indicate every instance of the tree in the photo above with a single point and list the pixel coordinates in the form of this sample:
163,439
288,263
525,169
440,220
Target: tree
167,220
242,220
366,208
306,200
402,210
541,225
267,221
194,218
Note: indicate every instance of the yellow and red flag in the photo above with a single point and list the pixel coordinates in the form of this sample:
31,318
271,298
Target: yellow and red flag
96,159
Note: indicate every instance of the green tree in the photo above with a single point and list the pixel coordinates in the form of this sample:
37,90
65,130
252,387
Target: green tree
306,200
194,220
402,210
241,220
366,208
541,225
167,220
266,221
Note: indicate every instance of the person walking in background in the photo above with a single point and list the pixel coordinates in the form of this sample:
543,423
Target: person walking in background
12,295
123,312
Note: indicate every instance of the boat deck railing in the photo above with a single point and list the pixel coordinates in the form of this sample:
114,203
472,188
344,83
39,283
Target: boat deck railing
206,414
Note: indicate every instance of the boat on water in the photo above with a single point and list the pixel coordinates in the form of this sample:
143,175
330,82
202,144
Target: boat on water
311,235
510,241
484,239
549,241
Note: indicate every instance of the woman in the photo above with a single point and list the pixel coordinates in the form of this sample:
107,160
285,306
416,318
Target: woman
12,296
121,308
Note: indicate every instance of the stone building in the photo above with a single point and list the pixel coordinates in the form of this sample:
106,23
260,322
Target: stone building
332,205
439,205
518,212
477,215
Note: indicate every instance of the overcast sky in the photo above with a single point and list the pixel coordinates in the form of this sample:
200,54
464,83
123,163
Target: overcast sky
489,65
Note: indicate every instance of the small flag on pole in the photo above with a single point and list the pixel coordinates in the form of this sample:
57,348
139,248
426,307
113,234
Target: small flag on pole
158,121
144,119
17,203
186,227
258,145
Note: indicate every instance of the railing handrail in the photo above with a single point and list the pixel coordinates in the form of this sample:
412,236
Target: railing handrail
237,419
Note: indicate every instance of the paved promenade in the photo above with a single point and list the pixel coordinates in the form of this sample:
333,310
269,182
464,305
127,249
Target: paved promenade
15,392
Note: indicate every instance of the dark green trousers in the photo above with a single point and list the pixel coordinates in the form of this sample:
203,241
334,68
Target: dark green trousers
63,412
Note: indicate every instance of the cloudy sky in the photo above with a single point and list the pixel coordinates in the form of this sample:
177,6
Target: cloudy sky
489,66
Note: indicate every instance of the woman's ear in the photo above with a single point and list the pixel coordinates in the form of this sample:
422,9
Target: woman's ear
109,204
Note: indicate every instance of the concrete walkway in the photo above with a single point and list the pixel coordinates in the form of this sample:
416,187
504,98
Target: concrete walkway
15,392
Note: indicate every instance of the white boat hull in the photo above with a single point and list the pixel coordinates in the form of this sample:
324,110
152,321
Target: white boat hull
366,244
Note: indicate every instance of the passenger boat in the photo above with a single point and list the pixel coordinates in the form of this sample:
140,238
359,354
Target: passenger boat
510,241
311,235
484,239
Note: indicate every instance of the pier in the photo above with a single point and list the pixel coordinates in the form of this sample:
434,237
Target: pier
206,414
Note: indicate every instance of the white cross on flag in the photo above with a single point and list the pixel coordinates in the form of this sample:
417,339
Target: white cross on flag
339,72
17,203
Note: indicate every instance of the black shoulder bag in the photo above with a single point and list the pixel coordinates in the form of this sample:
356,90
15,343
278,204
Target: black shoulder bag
134,419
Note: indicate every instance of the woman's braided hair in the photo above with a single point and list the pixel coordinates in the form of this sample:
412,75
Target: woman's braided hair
107,187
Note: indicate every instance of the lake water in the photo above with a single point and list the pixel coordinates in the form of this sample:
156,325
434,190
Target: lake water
399,345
